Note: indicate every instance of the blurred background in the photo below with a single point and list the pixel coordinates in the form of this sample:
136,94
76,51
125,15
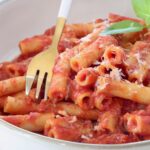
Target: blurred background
3,0
24,18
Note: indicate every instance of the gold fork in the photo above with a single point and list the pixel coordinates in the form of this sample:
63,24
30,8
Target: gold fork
42,64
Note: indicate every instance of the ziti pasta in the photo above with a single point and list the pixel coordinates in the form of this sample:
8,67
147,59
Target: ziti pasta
100,88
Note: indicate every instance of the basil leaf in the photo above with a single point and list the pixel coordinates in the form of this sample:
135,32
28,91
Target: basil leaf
122,27
142,9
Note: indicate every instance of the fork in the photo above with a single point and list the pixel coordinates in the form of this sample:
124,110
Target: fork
40,67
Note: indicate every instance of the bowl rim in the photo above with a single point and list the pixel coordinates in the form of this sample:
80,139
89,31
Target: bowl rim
64,143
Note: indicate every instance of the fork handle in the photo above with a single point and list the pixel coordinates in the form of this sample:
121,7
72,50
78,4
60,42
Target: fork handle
61,20
64,8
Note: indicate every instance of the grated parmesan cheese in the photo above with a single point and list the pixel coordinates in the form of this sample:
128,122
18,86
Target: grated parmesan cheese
57,116
116,74
86,39
87,137
97,62
102,87
74,119
105,62
96,128
138,57
101,46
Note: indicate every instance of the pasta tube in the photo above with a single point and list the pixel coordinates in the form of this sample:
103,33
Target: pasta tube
74,110
114,55
34,44
92,53
137,124
68,128
86,77
81,96
12,85
33,122
124,89
59,82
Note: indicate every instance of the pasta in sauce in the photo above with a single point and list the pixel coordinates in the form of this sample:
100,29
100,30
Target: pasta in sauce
100,88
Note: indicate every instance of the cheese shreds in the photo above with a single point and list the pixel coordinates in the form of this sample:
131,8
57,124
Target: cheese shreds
86,39
105,62
74,119
116,74
96,128
86,137
97,63
57,116
138,57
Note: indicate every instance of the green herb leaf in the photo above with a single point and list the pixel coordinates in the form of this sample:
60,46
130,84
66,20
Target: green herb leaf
142,9
122,27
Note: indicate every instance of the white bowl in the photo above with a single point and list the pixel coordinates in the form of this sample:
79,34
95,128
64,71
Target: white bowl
24,18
